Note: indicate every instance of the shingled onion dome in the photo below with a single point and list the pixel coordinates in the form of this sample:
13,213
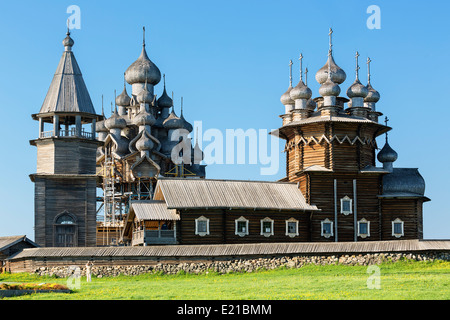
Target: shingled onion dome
142,70
145,96
173,121
387,154
123,99
357,91
165,101
144,118
145,143
329,88
300,93
373,95
115,121
68,42
186,124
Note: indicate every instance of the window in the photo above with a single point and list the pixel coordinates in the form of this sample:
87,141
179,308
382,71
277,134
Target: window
241,227
397,228
292,227
363,228
65,230
267,227
326,228
202,226
346,205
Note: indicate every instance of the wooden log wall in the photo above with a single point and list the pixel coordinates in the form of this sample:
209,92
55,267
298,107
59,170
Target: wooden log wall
407,210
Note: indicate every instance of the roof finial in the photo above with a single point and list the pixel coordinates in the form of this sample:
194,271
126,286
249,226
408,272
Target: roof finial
143,36
124,81
301,67
357,65
368,69
290,73
173,108
164,77
386,119
68,28
103,110
181,106
330,50
115,105
306,76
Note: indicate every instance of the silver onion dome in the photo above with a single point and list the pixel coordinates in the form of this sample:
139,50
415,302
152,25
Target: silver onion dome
387,154
372,95
337,74
100,126
173,122
144,118
115,122
142,70
68,41
186,124
357,90
123,99
165,101
329,88
145,96
300,91
145,143
286,97
311,105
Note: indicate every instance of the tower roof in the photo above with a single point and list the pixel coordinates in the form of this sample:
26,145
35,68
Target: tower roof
68,92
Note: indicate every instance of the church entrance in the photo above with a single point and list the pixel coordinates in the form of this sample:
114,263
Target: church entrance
65,231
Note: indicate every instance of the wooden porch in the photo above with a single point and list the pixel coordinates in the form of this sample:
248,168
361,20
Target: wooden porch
153,237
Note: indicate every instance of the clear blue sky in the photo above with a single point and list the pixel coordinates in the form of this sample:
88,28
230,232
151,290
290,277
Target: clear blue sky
229,60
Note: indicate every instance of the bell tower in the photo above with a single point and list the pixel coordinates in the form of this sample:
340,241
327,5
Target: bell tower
65,178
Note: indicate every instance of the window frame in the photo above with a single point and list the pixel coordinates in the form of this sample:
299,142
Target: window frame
201,233
236,224
326,235
346,212
292,234
402,224
267,234
363,235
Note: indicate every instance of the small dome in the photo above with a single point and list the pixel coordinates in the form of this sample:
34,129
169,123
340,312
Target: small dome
145,96
144,118
286,97
115,122
337,74
186,125
372,95
145,143
142,70
68,41
404,180
100,126
165,101
387,154
123,99
329,88
311,105
357,90
173,122
197,154
300,91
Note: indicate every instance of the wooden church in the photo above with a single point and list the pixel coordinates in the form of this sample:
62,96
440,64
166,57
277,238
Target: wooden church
333,190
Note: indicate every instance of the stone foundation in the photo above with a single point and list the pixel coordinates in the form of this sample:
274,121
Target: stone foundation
241,265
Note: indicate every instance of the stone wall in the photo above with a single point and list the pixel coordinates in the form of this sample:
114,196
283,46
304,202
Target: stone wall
240,265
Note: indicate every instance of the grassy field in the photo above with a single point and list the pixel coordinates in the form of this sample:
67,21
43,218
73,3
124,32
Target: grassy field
408,280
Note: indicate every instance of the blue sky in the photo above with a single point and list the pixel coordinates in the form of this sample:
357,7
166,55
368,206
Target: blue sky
229,60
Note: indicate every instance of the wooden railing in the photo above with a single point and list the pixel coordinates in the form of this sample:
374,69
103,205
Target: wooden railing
68,133
148,237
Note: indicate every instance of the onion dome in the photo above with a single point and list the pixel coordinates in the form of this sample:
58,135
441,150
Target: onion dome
145,96
173,122
404,182
145,143
123,99
142,70
300,91
337,74
286,97
144,118
68,41
329,88
115,122
372,94
100,126
186,125
387,154
311,105
165,101
357,90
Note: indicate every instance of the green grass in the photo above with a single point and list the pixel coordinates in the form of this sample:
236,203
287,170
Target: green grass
408,280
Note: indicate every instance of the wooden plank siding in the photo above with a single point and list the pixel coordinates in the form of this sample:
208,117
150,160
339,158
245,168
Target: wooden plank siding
407,210
222,226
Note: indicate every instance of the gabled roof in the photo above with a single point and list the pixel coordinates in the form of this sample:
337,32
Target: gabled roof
67,92
206,193
6,242
153,210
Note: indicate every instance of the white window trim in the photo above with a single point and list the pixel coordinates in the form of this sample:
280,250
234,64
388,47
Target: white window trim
398,235
236,232
290,234
267,234
326,235
346,198
202,234
364,235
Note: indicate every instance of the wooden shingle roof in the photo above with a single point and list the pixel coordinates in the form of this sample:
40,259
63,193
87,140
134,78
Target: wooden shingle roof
236,194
